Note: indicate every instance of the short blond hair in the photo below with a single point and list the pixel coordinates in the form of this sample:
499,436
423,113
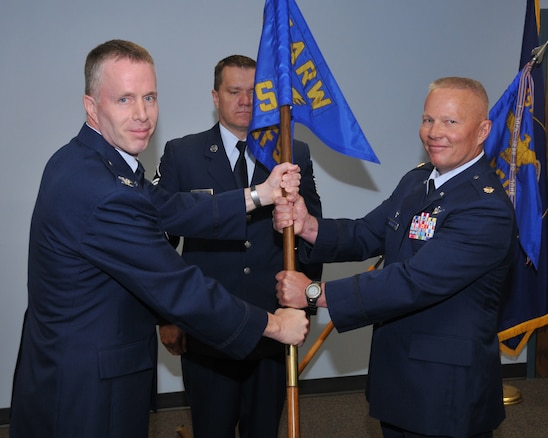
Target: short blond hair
461,83
113,49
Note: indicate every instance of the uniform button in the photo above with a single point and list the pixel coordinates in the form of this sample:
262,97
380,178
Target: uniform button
248,217
247,244
247,270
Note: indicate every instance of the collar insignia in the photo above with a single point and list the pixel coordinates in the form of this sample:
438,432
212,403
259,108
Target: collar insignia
438,210
488,189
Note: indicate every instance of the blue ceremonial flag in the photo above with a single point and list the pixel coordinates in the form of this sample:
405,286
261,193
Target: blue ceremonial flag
292,71
519,120
511,143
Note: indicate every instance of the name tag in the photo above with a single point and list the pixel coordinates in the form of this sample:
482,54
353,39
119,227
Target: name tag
208,191
392,223
422,227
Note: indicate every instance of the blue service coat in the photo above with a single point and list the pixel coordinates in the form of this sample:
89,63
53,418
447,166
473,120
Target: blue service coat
246,267
100,275
434,365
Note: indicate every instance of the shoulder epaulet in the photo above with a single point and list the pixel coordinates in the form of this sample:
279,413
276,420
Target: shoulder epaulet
484,186
421,164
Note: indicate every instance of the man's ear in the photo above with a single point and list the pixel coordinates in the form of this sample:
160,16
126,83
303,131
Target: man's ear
484,130
215,96
90,106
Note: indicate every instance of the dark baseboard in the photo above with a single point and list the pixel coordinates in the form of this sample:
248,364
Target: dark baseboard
4,416
514,371
331,385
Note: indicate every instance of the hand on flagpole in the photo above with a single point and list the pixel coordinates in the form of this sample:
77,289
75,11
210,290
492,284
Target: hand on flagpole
290,290
284,178
288,326
294,213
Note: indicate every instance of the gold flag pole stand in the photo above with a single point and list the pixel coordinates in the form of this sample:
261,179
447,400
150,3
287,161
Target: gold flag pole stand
511,395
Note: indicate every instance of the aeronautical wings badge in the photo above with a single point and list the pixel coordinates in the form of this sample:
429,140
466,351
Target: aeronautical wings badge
128,182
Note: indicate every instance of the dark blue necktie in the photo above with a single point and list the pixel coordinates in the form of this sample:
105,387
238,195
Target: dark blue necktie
240,168
140,174
431,188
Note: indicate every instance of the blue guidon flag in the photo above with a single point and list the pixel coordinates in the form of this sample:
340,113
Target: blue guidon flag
511,148
292,71
516,148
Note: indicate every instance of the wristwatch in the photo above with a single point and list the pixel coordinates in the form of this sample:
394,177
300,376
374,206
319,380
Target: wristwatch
313,291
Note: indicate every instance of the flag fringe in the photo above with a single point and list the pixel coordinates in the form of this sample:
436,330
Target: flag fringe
526,328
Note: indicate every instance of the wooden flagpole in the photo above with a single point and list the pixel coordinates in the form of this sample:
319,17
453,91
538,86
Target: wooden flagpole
316,346
293,425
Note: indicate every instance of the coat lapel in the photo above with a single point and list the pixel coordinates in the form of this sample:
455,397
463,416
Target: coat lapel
218,166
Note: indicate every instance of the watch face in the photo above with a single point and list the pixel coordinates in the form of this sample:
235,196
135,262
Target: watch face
313,290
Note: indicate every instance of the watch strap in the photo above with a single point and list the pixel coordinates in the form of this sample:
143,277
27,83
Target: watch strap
312,308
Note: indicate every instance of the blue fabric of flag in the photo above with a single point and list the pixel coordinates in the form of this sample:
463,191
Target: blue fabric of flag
292,71
524,305
498,148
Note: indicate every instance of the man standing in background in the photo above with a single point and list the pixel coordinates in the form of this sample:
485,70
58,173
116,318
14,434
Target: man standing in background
225,393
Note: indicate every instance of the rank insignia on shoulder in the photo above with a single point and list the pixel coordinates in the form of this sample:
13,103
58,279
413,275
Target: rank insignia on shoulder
128,182
488,189
421,164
